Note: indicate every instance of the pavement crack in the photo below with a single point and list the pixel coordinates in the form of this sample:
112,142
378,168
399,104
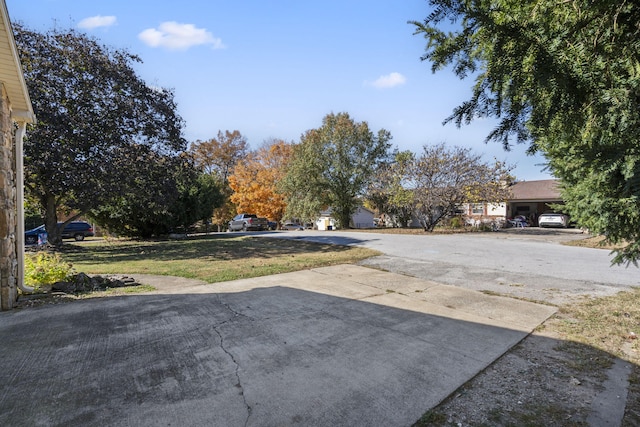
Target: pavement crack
223,347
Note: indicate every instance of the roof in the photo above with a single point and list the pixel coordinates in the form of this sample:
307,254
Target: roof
361,207
11,71
543,190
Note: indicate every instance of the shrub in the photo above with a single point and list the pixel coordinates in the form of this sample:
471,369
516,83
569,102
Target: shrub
457,222
42,268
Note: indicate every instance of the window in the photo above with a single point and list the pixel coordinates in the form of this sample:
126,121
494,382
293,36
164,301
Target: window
477,209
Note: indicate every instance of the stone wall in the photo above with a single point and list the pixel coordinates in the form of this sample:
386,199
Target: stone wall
8,260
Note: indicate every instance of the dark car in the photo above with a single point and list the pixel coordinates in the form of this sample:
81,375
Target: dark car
35,235
77,230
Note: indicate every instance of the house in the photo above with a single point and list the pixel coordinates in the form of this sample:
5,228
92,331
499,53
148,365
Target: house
362,218
532,198
528,199
15,113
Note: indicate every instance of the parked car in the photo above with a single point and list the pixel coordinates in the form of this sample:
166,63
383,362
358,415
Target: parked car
292,226
553,220
246,222
77,230
272,225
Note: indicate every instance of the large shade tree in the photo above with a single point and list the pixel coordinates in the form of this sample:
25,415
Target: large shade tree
255,181
332,167
169,196
563,76
218,157
95,117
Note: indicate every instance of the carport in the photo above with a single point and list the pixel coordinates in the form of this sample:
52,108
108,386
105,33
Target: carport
532,198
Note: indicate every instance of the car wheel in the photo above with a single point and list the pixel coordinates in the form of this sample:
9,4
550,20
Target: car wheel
31,240
244,227
79,237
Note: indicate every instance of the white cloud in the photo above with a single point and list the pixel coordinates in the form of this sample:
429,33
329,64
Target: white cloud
388,81
97,22
175,36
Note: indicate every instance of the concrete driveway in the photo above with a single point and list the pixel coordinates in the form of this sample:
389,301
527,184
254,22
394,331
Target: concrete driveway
335,346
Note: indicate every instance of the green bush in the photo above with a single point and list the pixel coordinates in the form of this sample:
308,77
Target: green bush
457,222
42,268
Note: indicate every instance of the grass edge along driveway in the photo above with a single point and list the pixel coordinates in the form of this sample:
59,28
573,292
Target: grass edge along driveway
216,258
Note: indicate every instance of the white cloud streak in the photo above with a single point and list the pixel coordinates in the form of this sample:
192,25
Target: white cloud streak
390,80
175,36
97,22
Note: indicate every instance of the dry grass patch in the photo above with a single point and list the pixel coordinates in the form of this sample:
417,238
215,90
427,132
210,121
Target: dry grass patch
611,324
597,242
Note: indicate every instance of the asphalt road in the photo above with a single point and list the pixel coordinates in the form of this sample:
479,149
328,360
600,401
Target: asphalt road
530,263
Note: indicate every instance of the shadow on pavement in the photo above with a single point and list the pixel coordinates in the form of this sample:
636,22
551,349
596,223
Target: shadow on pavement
266,356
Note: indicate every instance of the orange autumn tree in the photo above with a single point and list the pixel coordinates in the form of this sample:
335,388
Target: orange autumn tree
254,181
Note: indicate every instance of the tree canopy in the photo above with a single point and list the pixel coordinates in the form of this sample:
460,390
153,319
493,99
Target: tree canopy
332,166
442,179
434,184
98,122
255,181
563,77
170,196
218,157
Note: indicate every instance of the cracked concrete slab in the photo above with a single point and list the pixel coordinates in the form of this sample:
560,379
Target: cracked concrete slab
343,345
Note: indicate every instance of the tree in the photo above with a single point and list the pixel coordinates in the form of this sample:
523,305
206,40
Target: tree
389,192
332,166
168,198
442,179
255,181
94,116
218,156
565,77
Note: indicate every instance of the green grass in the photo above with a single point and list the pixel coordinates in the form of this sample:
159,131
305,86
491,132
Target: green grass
210,258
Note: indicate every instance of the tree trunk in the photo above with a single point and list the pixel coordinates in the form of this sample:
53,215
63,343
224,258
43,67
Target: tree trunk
51,220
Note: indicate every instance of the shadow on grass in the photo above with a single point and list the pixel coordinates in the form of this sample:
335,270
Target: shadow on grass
209,248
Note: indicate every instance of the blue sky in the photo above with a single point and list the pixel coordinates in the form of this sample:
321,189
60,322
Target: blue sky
274,69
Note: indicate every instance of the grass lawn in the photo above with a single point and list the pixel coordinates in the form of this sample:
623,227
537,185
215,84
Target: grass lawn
213,258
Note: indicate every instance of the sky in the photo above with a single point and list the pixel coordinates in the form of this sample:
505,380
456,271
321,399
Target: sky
274,69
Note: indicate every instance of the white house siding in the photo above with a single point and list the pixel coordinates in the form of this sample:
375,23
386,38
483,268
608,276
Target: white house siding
484,210
363,218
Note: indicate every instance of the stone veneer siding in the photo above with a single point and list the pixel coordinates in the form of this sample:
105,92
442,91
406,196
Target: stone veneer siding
8,256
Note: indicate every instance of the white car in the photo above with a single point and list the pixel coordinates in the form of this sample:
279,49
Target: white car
553,220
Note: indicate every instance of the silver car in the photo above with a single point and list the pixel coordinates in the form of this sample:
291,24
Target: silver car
553,220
